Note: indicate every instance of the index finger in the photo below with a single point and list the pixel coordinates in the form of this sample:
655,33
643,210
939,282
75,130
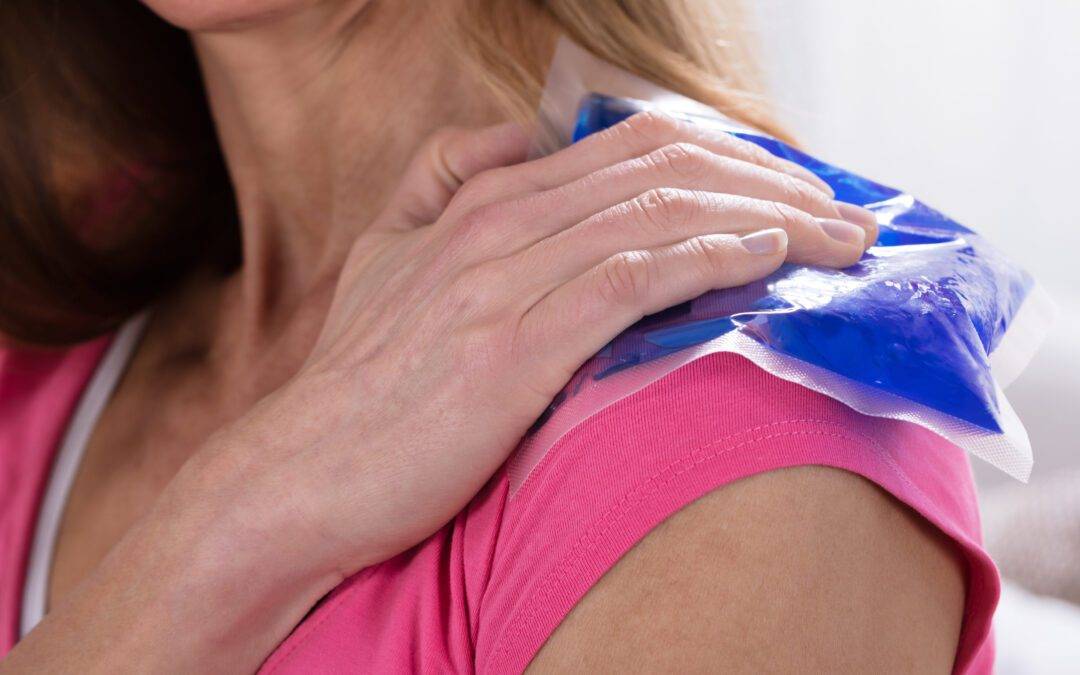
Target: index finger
643,133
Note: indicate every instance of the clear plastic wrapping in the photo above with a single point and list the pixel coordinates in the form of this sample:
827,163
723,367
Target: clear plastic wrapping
928,327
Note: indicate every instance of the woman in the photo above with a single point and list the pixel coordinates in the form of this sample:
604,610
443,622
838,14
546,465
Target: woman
300,462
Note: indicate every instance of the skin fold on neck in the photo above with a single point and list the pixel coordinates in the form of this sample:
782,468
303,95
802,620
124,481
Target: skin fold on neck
318,112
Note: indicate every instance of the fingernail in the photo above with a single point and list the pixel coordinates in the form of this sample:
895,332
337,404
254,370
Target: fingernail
856,214
810,177
843,231
765,242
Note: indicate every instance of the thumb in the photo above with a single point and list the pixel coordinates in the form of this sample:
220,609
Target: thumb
445,161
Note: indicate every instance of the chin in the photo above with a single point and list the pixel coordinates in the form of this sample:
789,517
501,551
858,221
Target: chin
211,15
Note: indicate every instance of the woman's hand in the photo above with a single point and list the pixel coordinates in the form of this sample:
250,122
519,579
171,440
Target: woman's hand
458,316
480,290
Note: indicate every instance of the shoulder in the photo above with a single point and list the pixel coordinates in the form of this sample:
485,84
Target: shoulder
683,445
806,568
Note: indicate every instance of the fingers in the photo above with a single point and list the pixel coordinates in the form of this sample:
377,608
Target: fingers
463,174
644,133
581,316
445,162
666,216
635,137
862,217
679,165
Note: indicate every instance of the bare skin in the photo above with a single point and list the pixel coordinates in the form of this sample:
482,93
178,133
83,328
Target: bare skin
804,570
241,380
216,347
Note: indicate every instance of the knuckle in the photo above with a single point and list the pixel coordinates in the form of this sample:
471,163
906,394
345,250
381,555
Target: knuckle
480,187
786,216
801,193
684,160
665,208
474,224
473,291
712,252
625,278
651,126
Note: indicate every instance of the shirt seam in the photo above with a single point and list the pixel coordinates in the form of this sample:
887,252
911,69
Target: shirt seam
618,511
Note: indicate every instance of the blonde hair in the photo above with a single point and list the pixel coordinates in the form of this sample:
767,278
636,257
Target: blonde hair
702,49
141,100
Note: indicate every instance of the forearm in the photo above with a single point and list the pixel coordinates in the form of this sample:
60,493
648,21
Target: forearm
193,587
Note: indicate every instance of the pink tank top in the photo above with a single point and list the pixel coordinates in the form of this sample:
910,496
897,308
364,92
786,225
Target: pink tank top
485,592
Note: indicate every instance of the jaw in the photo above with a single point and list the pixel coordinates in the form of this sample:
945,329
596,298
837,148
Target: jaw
212,16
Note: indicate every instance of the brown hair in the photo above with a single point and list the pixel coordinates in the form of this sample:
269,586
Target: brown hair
112,185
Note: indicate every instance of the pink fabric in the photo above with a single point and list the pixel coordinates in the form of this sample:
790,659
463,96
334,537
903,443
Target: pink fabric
485,592
38,393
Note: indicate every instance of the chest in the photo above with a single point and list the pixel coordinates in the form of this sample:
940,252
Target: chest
152,423
159,397
140,441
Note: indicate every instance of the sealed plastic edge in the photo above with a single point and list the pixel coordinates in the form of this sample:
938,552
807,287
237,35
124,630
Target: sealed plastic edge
1009,451
1024,336
573,73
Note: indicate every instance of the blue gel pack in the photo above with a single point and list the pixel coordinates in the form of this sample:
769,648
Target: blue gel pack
917,316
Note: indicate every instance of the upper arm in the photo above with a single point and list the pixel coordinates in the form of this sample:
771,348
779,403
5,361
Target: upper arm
810,569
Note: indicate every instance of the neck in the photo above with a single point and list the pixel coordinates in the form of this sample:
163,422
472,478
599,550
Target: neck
317,114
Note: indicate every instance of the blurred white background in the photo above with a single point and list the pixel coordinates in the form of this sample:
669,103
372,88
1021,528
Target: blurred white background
973,106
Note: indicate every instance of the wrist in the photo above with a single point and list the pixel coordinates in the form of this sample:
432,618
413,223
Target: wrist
227,572
183,591
260,490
